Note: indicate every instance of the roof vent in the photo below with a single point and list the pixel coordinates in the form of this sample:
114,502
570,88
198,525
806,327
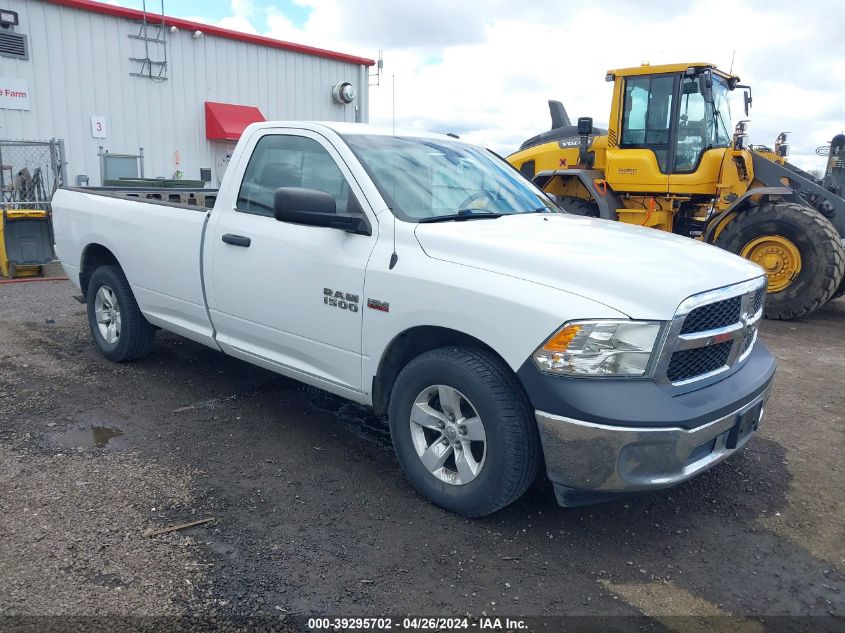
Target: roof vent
13,45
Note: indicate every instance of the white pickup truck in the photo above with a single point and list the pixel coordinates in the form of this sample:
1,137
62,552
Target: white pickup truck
424,276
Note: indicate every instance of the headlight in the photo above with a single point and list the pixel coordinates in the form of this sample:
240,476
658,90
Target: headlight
599,348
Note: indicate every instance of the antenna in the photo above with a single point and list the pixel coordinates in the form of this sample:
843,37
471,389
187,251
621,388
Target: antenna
733,56
379,69
393,256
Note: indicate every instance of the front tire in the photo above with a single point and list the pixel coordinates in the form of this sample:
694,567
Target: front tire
463,430
799,249
579,206
120,331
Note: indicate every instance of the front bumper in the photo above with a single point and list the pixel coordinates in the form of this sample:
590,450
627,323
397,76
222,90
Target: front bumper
591,458
591,462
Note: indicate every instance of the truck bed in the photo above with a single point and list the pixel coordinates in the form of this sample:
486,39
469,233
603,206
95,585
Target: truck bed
173,196
156,239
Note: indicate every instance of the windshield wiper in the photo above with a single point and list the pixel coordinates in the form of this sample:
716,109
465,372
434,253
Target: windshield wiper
722,121
463,214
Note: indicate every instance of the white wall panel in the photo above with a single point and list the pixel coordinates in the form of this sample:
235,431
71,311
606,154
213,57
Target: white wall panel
79,67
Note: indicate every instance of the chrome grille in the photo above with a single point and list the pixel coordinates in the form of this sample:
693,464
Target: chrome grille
758,299
711,333
689,363
713,315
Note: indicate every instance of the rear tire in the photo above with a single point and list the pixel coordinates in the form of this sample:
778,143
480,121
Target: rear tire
822,258
119,329
487,390
579,206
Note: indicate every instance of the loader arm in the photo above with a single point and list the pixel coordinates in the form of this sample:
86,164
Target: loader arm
771,174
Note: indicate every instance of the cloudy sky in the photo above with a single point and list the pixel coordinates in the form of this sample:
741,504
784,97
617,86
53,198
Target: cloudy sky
485,69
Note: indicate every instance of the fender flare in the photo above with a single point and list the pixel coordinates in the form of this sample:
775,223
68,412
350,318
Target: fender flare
607,201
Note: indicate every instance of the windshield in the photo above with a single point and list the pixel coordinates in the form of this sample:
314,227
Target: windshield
702,124
422,178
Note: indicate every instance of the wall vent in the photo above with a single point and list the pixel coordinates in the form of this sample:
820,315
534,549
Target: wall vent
13,45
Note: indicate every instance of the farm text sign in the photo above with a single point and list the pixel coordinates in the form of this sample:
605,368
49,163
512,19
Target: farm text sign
14,94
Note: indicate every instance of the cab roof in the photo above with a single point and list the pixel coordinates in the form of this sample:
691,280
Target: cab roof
347,128
648,69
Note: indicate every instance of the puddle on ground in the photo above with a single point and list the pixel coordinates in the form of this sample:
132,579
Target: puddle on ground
88,437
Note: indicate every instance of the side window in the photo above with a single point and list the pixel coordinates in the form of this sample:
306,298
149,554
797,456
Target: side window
291,161
647,115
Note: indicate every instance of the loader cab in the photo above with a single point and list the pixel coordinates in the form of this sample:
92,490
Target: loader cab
673,127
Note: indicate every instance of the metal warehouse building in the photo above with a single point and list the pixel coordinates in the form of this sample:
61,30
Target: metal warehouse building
104,92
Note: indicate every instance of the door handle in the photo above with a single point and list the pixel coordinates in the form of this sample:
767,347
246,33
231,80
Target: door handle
237,240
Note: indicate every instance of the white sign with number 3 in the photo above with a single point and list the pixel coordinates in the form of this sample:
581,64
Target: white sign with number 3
98,127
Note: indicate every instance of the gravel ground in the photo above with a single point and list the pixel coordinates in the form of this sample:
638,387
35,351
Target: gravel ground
313,516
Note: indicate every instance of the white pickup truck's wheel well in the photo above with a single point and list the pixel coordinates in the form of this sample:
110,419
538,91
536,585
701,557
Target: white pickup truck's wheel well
407,346
94,256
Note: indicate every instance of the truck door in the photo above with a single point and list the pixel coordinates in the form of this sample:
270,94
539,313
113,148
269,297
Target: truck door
288,296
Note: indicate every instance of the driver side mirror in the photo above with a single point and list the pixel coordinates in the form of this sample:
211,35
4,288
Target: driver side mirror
746,97
315,208
585,125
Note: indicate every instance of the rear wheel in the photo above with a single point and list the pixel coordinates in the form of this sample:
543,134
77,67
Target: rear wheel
119,329
798,248
579,206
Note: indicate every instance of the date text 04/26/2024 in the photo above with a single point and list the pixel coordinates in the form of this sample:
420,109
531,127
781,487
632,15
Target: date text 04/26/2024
417,624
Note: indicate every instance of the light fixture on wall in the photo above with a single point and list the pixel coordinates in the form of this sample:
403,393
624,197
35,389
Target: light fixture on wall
174,29
197,35
8,18
344,93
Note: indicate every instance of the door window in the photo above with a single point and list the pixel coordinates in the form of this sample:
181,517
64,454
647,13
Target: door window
647,115
291,161
692,126
701,125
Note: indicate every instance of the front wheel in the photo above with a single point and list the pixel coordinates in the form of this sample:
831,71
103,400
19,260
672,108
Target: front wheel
463,430
579,206
798,248
119,329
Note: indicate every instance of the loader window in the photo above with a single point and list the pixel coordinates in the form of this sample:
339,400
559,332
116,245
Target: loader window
647,115
701,125
692,127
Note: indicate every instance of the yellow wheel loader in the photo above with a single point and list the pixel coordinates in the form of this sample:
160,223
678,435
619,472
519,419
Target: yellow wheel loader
672,160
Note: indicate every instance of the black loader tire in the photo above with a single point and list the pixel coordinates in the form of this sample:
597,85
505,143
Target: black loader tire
136,335
513,445
820,247
840,291
579,206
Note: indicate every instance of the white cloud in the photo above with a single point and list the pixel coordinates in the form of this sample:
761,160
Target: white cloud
484,69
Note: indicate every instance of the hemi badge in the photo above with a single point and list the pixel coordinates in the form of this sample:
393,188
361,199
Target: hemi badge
375,304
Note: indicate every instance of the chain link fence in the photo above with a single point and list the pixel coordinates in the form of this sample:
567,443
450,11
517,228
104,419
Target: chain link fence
30,171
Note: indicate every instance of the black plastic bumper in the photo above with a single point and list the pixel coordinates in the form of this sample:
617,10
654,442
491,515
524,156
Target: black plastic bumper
643,403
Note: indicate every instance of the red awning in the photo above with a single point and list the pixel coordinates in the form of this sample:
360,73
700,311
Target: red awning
227,121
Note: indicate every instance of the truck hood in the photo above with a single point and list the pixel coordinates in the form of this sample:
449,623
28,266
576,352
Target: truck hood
644,273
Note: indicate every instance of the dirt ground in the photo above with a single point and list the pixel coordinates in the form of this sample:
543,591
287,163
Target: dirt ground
313,516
